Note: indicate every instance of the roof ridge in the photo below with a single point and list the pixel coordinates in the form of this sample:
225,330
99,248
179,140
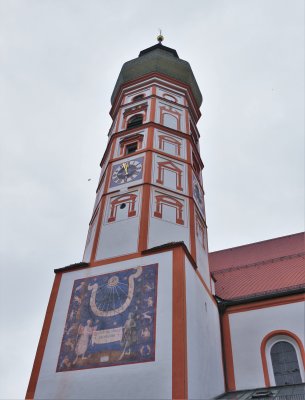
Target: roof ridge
243,266
255,243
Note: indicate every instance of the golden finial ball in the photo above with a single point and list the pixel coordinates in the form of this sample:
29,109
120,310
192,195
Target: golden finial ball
160,38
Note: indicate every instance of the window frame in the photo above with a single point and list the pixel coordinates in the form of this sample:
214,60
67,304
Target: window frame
292,339
138,97
138,117
133,145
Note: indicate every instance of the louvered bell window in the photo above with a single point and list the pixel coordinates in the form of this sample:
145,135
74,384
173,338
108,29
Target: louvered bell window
134,121
285,364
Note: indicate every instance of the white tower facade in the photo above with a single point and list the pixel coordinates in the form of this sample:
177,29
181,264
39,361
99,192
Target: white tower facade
137,318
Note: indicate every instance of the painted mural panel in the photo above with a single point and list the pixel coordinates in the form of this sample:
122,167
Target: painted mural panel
111,320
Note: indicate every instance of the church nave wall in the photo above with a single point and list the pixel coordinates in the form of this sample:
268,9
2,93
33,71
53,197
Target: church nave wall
248,330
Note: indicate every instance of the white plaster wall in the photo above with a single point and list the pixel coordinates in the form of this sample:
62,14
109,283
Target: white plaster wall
175,108
119,237
151,380
169,148
161,232
247,332
90,239
170,177
204,356
202,261
170,121
165,230
98,195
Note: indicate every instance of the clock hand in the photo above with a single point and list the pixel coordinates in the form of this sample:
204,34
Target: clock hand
125,166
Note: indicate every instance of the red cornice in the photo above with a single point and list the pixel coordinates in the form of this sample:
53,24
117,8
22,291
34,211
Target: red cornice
157,126
170,103
157,75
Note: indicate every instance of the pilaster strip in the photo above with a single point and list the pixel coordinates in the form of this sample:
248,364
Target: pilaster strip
179,339
227,345
43,338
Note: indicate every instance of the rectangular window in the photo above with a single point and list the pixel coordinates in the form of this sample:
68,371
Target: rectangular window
131,148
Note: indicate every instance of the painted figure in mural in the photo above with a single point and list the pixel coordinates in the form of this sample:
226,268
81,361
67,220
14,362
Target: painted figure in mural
149,301
72,329
129,334
65,363
69,343
147,287
77,299
145,315
80,288
84,335
72,314
145,333
145,350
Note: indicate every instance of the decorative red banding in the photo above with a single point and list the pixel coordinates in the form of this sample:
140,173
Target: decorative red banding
169,201
171,166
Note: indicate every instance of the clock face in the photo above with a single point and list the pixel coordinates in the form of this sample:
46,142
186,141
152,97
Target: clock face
126,172
198,195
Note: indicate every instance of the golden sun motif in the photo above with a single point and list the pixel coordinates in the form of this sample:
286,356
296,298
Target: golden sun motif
113,281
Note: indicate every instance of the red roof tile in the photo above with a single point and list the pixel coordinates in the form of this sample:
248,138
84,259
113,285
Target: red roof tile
265,267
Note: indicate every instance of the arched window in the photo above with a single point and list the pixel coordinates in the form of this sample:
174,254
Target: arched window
138,97
283,358
134,121
285,364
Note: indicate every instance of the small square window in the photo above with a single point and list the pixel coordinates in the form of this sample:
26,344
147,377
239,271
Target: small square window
131,148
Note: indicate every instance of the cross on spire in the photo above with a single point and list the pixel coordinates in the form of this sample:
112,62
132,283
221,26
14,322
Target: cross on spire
160,37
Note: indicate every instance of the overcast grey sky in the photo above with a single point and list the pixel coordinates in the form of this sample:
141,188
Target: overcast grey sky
59,61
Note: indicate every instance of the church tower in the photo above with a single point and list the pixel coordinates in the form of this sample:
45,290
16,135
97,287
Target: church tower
136,319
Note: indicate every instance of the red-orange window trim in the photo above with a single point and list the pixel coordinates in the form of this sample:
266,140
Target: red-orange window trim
263,350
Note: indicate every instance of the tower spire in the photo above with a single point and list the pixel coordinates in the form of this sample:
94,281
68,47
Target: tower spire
160,37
